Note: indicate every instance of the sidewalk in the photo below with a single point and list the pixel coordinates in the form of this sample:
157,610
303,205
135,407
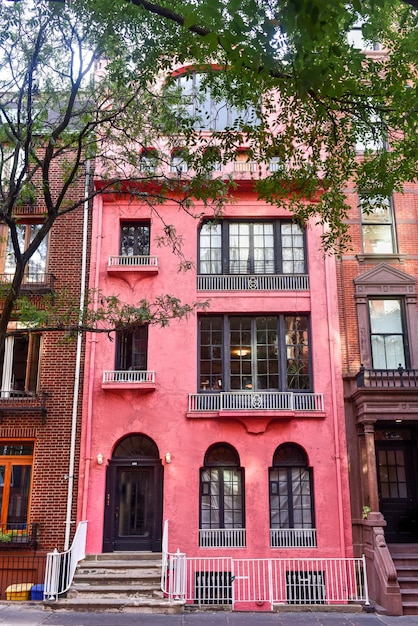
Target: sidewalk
18,614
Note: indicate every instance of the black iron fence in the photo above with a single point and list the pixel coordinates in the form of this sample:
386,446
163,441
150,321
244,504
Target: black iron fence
18,536
21,576
378,378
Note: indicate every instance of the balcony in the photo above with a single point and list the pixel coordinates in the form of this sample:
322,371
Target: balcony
253,282
393,378
139,380
146,264
287,402
33,282
222,538
18,536
293,538
13,401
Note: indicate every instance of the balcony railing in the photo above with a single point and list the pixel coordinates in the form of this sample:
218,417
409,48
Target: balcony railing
128,376
253,282
13,401
222,538
247,166
138,261
38,282
393,378
18,535
293,537
256,401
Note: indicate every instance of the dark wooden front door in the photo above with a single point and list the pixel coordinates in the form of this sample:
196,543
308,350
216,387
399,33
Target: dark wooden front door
397,490
133,507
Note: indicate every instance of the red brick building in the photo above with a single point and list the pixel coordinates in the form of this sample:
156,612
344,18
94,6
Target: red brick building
41,393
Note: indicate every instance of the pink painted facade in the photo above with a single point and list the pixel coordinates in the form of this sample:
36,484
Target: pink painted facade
170,406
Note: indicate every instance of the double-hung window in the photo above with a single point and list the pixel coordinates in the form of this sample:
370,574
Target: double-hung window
387,335
19,369
36,267
264,247
16,458
132,349
377,220
254,353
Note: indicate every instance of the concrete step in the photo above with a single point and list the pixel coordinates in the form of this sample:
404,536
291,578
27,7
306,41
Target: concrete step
114,591
129,582
124,605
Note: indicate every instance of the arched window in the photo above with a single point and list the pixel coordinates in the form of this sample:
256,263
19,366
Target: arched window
136,446
222,498
291,499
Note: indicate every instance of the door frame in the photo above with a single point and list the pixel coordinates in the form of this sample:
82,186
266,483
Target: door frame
401,514
154,542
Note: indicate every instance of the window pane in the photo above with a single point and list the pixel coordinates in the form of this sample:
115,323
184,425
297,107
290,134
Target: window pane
297,352
211,249
135,239
211,361
385,316
293,253
387,340
19,494
377,239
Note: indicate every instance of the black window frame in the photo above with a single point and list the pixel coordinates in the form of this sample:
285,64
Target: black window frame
139,248
221,457
125,352
289,457
214,356
225,263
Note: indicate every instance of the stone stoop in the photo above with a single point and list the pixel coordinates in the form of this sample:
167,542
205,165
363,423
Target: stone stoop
117,581
405,558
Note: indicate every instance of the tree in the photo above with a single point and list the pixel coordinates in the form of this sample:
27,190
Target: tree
315,96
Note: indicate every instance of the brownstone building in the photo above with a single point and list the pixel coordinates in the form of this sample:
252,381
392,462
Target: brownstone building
379,337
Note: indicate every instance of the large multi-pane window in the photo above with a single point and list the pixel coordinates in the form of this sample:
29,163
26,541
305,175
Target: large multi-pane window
36,267
207,110
15,483
267,352
377,225
265,247
221,489
290,487
132,349
135,239
19,368
387,336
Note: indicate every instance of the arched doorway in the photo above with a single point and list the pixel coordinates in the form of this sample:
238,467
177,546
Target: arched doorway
134,496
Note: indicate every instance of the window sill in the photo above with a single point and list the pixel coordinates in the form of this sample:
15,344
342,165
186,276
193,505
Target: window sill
379,258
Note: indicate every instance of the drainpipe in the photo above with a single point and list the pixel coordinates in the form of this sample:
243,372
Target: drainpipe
77,362
91,374
331,290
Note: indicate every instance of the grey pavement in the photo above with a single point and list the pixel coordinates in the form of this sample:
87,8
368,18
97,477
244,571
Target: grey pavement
19,614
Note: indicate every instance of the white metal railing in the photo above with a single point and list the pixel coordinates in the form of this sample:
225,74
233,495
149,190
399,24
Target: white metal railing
133,261
292,537
226,580
60,566
263,401
128,376
223,580
222,538
253,282
246,166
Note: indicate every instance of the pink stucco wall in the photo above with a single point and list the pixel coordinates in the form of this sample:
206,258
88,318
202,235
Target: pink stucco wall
109,415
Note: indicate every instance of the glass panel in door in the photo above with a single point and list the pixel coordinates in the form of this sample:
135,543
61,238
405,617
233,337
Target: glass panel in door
136,504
